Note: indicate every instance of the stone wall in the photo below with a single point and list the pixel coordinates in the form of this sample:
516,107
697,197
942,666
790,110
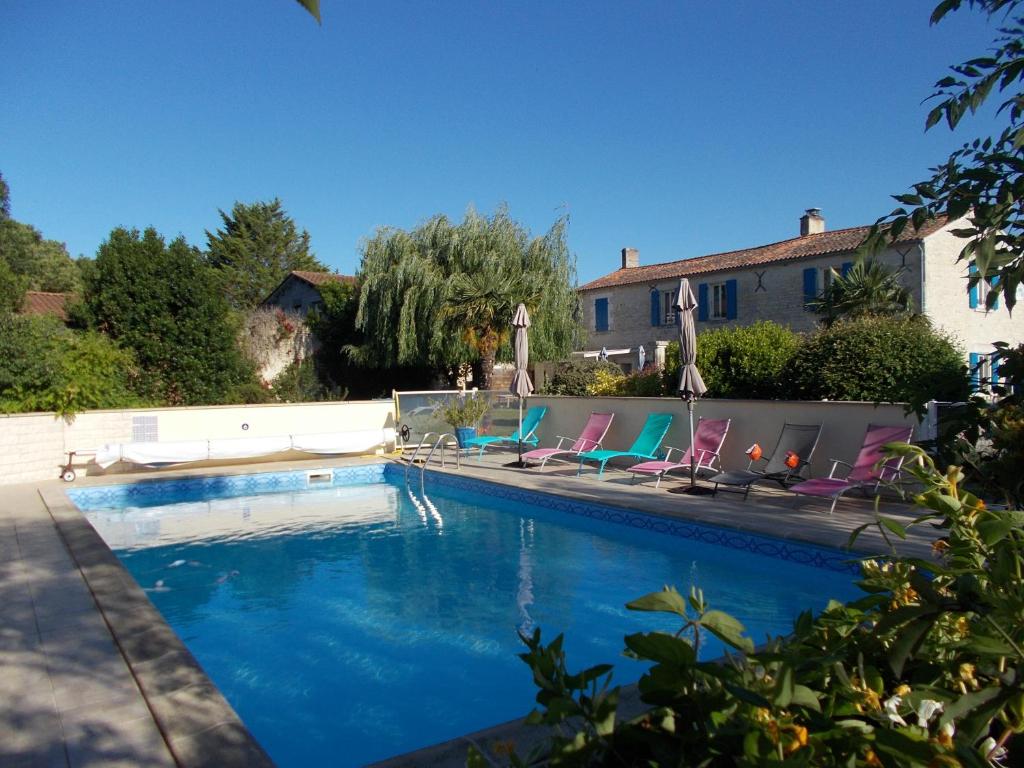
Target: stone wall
946,300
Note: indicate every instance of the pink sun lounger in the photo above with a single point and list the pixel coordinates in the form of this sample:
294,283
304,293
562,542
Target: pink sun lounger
707,444
590,438
869,471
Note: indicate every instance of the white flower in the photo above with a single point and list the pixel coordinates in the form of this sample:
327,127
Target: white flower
926,710
991,752
892,706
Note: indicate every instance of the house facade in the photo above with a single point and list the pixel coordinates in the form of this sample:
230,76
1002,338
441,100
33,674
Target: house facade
633,306
299,292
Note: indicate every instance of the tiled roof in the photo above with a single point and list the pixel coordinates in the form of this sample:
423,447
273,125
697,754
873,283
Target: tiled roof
43,303
319,278
839,241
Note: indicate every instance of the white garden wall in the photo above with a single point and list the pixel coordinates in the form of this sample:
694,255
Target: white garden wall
34,446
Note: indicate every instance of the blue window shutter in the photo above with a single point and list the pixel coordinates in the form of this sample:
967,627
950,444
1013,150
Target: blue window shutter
655,307
601,314
847,266
995,299
993,365
730,299
810,286
975,373
702,301
972,293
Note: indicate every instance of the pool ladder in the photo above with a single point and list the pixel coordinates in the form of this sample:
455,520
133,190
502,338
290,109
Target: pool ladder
442,440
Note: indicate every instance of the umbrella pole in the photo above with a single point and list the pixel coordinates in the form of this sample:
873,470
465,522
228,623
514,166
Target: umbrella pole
520,432
693,471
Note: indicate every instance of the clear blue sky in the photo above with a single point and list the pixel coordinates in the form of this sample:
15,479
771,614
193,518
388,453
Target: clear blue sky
679,128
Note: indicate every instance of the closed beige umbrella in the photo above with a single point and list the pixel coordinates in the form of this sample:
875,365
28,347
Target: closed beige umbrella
691,385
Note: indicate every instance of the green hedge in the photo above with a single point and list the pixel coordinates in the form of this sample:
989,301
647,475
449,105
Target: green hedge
879,359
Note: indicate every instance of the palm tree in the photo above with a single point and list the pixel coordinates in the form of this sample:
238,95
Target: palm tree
868,288
490,276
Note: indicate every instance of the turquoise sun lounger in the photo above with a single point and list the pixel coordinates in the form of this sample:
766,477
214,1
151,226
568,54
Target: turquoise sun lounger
645,446
531,420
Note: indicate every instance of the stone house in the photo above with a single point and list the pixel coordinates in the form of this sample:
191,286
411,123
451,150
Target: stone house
299,292
632,306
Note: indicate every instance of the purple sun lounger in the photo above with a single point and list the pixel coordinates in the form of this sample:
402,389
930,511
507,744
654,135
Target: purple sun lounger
707,443
590,438
867,473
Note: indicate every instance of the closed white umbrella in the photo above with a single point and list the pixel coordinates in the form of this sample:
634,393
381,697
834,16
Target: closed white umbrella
691,385
521,385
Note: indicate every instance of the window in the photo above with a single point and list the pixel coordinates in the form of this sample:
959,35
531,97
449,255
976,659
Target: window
669,303
600,314
977,296
719,302
980,365
821,276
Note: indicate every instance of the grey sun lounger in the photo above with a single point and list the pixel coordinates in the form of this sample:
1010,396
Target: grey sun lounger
799,439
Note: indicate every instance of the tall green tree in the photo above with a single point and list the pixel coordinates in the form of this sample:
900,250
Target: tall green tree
982,181
868,288
37,264
253,251
163,303
444,294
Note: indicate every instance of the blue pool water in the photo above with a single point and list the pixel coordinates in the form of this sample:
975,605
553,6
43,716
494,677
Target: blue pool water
348,623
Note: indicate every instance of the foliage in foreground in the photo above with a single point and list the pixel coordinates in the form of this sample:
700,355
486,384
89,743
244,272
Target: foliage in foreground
987,438
924,670
983,181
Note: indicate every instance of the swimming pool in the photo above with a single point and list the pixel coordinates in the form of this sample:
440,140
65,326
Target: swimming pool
347,621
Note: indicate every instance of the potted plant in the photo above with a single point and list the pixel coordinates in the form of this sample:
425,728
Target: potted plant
463,413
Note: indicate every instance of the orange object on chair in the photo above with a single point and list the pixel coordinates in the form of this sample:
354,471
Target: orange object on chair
754,452
792,460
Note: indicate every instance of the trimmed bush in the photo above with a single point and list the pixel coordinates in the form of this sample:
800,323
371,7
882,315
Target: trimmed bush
879,359
743,362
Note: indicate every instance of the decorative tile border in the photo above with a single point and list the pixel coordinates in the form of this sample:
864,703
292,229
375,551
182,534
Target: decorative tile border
153,492
801,553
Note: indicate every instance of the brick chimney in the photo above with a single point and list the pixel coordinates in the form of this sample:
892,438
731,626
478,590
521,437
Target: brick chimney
630,258
812,222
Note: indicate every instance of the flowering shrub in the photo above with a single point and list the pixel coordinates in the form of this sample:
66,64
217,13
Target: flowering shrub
925,669
606,382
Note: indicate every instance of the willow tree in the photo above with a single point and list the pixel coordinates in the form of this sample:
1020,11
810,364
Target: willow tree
443,294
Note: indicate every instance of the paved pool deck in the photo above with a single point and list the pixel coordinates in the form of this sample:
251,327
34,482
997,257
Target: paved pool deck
91,675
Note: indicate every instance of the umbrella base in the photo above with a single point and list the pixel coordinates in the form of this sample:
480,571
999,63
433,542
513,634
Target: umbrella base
694,490
519,464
